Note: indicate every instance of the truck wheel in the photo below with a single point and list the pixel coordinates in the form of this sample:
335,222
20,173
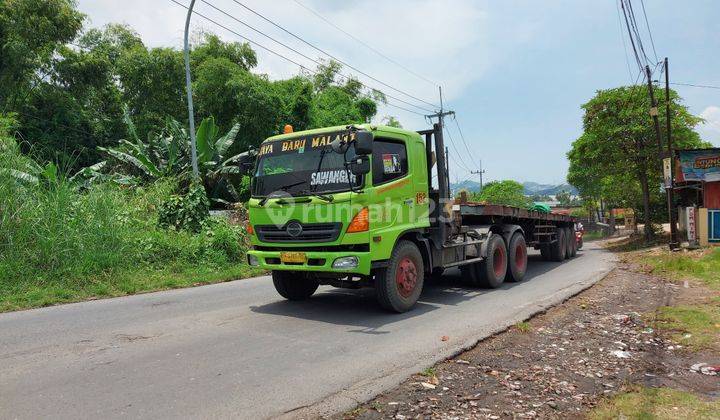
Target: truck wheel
399,286
294,285
493,269
571,243
517,258
559,247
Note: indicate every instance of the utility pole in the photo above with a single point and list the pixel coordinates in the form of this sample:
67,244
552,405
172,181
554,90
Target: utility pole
188,83
480,172
670,191
656,122
442,169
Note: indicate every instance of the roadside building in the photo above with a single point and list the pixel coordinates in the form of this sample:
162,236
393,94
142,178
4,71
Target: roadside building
697,187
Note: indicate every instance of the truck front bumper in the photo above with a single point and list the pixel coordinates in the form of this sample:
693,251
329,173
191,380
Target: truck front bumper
317,261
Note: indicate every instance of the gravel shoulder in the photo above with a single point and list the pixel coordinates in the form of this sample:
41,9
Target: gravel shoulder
565,362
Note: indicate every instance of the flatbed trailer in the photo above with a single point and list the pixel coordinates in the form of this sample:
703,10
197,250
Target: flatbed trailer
390,225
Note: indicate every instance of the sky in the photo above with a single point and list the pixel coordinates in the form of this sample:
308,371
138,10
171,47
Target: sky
515,72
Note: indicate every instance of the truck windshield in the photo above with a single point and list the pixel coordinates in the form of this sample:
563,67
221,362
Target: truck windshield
303,166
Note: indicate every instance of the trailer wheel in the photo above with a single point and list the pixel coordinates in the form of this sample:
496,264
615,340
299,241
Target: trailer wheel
559,247
294,285
493,269
398,287
571,243
517,258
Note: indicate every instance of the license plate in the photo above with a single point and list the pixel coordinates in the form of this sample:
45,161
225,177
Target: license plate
293,257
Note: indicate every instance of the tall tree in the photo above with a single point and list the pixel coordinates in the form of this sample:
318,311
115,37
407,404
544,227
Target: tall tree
617,156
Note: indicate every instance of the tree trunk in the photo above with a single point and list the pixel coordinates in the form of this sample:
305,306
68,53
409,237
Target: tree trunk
646,205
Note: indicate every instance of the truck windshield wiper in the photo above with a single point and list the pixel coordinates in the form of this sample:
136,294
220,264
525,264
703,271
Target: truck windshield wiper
283,188
328,198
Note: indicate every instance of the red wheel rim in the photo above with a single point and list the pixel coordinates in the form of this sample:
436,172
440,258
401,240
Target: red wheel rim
499,261
406,277
520,260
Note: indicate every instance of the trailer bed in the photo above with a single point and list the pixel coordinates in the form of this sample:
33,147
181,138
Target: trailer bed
493,210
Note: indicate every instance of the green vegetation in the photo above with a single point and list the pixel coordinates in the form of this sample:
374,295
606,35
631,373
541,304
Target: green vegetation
616,157
694,326
429,372
59,243
655,403
507,192
523,327
683,265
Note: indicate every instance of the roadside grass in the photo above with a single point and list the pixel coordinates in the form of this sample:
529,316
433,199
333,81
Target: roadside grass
704,267
655,403
429,372
523,327
109,285
696,327
62,243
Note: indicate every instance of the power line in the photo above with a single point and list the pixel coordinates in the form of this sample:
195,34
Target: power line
280,55
304,55
462,137
647,23
325,52
694,85
329,22
459,160
622,37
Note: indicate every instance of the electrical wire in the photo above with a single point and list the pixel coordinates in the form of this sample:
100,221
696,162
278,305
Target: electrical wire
622,37
647,23
459,161
462,137
347,78
695,85
327,53
329,22
280,55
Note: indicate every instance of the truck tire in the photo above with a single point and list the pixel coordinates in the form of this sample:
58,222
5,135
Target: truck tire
517,258
493,269
398,287
294,285
571,243
559,247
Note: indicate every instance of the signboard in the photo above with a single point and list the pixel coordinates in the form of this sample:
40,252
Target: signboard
691,224
667,172
700,165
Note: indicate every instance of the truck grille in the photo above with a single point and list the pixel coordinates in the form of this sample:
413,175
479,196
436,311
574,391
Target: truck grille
308,232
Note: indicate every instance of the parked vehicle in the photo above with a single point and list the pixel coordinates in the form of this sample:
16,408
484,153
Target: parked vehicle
357,206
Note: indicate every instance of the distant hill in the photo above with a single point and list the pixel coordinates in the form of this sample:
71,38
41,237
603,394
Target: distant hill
531,188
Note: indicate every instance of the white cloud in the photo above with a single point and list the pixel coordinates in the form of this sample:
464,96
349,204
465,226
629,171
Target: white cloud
710,129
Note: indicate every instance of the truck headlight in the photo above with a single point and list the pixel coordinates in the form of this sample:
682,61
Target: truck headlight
345,262
253,260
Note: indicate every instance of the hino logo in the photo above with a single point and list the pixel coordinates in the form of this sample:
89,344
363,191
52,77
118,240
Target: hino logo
294,229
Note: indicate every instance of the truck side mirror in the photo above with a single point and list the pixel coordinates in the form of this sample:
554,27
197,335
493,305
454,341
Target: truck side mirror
363,142
360,165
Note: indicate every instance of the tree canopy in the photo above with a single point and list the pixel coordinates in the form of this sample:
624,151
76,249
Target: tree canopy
616,159
507,192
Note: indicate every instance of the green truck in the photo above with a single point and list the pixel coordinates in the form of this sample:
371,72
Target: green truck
370,206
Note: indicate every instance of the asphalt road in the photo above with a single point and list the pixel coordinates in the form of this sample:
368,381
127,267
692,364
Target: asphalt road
238,350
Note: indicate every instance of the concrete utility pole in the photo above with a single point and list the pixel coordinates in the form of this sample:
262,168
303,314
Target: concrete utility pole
656,122
480,172
188,83
670,191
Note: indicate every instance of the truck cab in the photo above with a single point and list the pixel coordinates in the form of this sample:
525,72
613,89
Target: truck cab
317,216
